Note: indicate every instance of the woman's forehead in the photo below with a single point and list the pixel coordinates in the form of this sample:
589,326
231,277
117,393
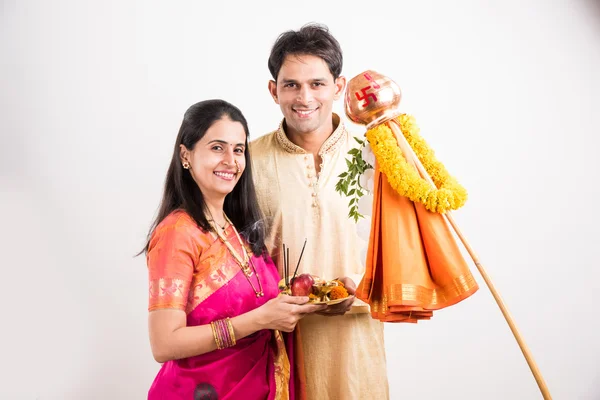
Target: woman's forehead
226,130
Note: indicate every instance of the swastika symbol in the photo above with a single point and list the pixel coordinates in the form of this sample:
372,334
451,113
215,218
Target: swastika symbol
367,97
363,95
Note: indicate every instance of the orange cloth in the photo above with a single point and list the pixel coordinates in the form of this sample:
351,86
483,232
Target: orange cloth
414,265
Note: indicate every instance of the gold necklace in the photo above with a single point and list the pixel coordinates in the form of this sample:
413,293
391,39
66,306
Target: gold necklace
243,261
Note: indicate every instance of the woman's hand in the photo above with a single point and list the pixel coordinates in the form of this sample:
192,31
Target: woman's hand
284,312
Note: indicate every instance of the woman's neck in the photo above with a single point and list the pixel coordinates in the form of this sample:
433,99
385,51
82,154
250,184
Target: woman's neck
215,210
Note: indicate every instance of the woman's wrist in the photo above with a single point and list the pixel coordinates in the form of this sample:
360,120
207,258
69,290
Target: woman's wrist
248,323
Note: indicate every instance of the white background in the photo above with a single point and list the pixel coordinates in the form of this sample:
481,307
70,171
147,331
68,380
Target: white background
92,96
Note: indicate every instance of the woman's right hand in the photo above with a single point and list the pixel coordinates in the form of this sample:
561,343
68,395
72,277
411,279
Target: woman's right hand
283,312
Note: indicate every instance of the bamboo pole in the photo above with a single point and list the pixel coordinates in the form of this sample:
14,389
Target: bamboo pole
408,152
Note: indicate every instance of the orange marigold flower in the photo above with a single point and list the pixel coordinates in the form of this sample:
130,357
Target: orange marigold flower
338,292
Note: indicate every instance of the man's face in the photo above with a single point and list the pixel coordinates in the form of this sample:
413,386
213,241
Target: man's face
305,91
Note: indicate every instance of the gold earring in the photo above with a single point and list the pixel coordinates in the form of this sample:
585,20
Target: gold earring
186,165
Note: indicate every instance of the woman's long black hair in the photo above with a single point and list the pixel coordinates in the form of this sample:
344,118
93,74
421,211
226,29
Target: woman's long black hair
182,193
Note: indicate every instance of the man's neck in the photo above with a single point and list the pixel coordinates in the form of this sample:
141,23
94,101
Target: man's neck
311,142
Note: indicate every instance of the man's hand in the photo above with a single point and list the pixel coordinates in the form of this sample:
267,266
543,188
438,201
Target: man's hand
345,306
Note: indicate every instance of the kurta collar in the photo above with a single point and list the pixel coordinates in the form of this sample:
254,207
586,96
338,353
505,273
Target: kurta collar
333,142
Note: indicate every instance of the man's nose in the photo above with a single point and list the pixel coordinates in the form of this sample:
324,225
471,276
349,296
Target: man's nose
304,95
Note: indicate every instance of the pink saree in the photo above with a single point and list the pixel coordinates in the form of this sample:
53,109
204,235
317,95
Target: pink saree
191,270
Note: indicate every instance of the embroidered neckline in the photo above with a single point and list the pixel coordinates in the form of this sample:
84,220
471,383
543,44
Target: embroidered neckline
333,142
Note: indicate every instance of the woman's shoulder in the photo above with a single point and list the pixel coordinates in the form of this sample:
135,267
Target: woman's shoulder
180,223
177,220
178,231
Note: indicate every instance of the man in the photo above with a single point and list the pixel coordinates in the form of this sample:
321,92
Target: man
297,168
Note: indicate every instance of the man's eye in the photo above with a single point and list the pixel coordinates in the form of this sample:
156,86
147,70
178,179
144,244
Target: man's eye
318,83
289,85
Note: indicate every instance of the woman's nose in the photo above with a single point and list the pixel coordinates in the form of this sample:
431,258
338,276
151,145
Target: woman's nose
228,158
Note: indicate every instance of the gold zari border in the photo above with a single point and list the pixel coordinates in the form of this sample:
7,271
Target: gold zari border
282,369
168,293
425,298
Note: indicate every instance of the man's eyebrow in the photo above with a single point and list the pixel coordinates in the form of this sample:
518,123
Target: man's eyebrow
312,80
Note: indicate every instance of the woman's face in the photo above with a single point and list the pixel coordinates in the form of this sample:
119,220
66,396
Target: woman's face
217,160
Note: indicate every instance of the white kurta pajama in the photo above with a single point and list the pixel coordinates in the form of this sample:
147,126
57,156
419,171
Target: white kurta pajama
344,355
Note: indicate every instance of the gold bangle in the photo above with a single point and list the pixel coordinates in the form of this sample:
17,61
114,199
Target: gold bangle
231,333
216,336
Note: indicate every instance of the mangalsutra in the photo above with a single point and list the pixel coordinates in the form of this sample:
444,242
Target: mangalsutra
212,219
244,261
219,225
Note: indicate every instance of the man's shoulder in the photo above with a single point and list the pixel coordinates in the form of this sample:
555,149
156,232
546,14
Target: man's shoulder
353,137
263,144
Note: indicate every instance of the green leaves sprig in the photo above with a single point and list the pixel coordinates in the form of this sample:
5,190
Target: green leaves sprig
349,183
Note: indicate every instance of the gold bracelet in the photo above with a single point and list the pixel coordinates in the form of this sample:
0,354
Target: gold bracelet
216,336
231,333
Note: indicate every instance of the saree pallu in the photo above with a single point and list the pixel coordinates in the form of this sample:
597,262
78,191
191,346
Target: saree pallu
257,367
414,265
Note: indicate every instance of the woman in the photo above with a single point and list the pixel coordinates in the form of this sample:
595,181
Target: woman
214,309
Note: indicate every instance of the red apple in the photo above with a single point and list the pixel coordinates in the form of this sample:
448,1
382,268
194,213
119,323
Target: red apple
302,285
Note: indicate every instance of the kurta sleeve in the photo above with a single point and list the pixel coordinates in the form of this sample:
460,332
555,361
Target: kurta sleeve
172,254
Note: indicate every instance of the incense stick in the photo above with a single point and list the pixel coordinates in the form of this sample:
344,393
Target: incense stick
286,271
300,258
288,260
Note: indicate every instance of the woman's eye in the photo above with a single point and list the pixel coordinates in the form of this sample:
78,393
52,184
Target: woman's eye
217,148
239,151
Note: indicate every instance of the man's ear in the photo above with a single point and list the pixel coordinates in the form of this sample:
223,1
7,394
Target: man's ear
273,91
340,85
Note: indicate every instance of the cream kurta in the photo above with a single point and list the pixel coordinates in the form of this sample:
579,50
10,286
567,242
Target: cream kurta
344,356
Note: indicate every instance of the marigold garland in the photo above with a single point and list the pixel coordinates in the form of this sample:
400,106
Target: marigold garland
404,178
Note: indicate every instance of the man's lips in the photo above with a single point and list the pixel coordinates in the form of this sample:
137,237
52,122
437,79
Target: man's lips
304,113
